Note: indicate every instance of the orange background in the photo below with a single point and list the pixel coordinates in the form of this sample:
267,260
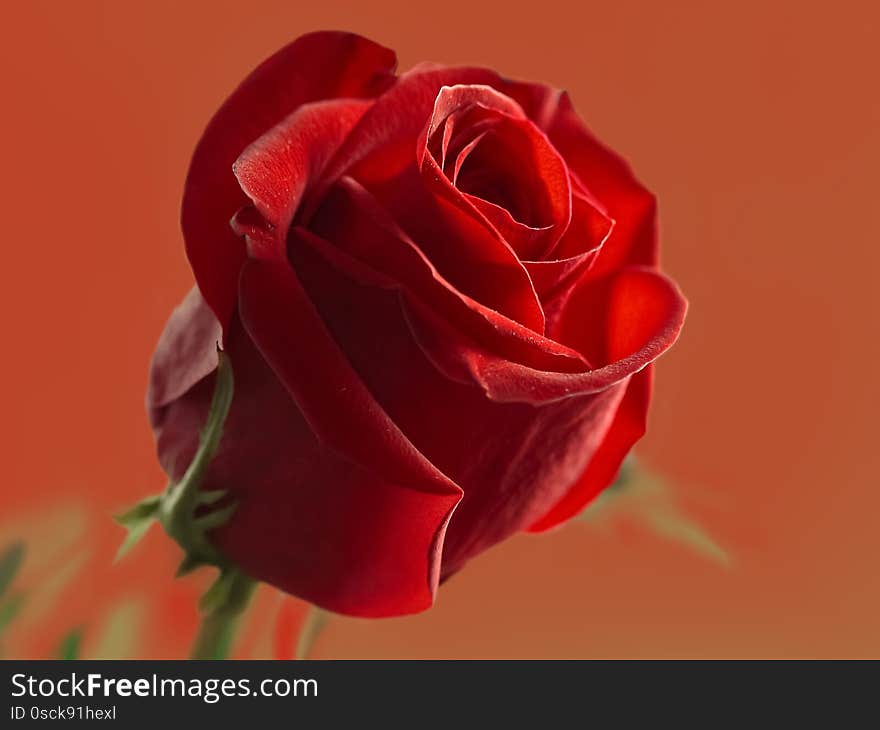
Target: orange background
757,124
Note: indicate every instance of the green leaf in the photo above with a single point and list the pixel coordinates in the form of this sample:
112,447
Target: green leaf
9,609
646,498
10,562
69,647
132,538
145,509
120,633
223,604
137,521
670,523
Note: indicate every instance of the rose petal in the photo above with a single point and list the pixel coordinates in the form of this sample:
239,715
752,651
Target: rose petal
464,249
555,277
626,429
603,172
276,170
385,141
541,457
589,229
600,169
459,97
315,66
186,352
506,151
640,319
641,308
359,227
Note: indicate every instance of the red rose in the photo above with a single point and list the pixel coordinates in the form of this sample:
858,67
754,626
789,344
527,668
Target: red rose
440,296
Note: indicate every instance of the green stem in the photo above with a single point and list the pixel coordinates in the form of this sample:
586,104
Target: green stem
218,627
315,621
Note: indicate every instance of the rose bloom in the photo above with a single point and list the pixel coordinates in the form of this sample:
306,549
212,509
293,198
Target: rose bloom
440,297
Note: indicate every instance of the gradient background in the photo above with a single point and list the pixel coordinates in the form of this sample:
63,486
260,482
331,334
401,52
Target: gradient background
757,124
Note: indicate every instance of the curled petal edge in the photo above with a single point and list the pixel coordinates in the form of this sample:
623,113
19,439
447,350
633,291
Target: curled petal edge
633,348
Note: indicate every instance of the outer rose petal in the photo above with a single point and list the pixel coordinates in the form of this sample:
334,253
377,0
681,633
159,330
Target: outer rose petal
281,320
277,170
641,315
309,520
385,141
315,66
640,303
187,351
626,429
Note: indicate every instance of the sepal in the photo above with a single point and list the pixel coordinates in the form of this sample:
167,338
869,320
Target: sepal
186,512
137,521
